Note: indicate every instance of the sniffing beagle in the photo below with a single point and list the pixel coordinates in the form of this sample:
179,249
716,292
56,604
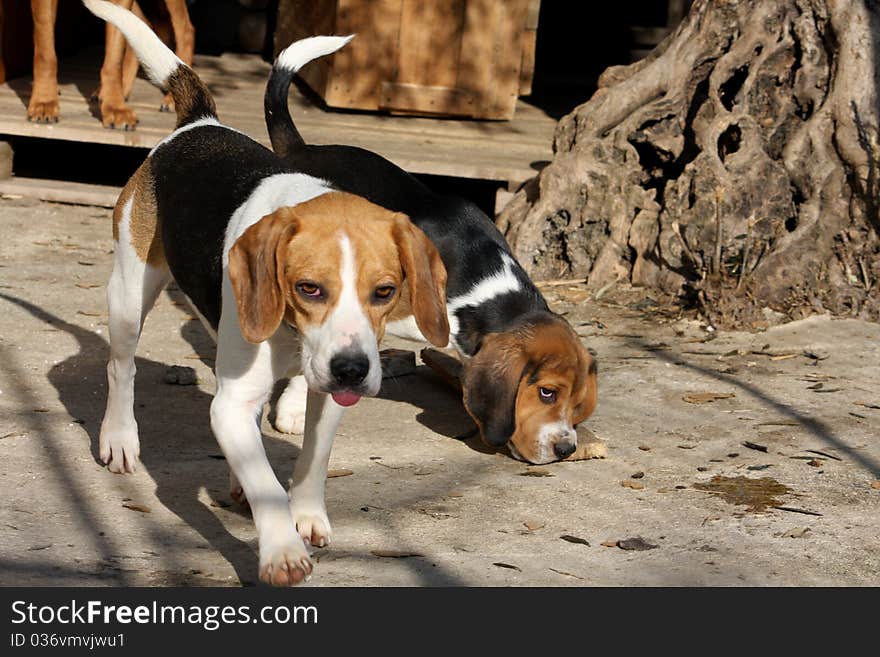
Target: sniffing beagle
288,275
527,379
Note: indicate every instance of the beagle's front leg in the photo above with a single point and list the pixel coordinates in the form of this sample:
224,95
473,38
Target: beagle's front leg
310,473
245,374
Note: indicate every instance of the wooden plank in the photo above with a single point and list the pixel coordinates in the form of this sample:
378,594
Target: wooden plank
421,98
60,191
500,151
476,45
358,69
298,19
429,48
476,74
493,45
533,12
530,43
508,58
527,65
6,155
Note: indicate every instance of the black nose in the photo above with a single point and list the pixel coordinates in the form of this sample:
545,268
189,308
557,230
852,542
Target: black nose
349,370
563,449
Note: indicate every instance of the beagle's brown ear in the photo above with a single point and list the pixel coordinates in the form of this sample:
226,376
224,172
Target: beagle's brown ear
587,387
491,382
426,277
256,270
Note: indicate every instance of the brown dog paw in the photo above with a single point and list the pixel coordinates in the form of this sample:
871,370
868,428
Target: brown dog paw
122,117
167,104
43,111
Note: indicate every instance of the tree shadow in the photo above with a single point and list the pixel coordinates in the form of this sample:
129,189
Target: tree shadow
815,427
440,408
81,384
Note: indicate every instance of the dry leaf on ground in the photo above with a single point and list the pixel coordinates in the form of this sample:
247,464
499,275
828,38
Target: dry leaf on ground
342,472
706,397
143,508
395,554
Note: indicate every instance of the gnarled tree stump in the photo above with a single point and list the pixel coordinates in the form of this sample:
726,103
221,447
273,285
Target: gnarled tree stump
735,166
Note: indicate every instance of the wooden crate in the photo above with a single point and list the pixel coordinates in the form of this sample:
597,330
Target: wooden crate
468,58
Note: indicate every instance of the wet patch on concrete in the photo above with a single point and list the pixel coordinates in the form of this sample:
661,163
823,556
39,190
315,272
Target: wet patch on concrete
757,495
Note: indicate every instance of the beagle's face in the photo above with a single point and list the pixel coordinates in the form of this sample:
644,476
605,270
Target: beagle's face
529,388
333,268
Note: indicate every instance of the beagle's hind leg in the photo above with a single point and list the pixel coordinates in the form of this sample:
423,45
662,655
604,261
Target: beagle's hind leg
133,288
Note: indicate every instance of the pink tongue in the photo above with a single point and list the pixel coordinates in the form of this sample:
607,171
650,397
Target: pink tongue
346,398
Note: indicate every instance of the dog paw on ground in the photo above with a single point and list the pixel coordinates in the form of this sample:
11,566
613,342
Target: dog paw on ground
123,117
285,565
43,111
120,449
312,524
167,104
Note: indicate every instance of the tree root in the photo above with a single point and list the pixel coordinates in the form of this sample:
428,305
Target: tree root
737,164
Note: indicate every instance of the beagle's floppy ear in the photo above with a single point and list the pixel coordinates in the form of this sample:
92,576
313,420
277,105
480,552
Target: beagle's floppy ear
587,386
426,277
256,270
490,382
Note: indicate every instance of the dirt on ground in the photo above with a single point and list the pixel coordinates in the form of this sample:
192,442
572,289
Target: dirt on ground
734,458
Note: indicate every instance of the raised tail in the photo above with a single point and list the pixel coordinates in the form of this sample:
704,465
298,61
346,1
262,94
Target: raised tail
192,99
283,134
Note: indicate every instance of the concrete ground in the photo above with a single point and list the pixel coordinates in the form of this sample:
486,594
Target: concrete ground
801,506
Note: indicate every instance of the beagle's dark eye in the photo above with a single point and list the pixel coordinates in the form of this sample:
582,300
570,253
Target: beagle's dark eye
547,395
384,292
310,290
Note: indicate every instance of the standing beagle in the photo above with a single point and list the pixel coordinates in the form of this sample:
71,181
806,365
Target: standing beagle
288,275
527,379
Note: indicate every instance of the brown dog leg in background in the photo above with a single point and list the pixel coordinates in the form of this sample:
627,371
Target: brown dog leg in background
118,71
120,65
43,105
115,113
184,40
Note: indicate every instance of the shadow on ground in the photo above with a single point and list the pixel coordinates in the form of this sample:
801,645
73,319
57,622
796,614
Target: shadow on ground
180,453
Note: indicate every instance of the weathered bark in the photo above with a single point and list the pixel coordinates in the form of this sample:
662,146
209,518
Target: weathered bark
735,166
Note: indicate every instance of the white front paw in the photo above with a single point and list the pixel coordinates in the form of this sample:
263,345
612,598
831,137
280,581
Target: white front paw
312,522
119,448
284,562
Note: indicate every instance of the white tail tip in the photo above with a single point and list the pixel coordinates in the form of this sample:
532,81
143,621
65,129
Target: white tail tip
299,53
